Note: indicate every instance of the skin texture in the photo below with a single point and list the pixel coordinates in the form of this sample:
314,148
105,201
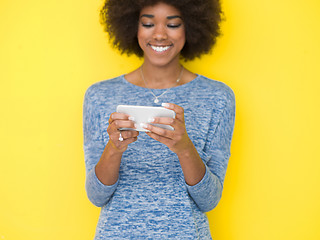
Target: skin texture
161,70
161,26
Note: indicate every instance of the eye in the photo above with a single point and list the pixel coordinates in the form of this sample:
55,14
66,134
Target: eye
147,25
173,25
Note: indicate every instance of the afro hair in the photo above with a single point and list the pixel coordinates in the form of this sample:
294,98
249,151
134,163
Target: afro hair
201,19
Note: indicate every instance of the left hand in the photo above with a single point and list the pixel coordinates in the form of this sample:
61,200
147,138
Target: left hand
176,140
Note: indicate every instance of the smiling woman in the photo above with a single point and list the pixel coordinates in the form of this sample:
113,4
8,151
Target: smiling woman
161,34
201,20
158,184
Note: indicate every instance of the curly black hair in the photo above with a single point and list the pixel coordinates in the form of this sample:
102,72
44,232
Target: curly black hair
201,19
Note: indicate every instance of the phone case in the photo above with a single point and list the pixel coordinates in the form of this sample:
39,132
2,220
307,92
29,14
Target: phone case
142,114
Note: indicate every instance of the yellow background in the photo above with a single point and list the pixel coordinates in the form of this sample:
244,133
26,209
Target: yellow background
51,51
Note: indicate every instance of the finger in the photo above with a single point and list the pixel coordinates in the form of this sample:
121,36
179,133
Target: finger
122,145
121,137
129,134
158,130
176,124
162,120
159,138
114,127
117,124
126,142
176,108
119,116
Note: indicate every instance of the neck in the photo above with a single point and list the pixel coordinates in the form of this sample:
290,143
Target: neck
161,77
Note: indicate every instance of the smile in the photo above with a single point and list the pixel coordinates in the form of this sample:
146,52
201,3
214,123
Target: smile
160,48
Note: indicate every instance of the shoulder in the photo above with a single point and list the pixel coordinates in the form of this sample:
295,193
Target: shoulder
103,85
215,87
100,91
213,90
220,98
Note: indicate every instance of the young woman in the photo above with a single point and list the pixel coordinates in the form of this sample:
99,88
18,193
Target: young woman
159,184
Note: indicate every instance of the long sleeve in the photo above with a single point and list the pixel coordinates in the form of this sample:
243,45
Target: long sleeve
151,198
207,193
98,193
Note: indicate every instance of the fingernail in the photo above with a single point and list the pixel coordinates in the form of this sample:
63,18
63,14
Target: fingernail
165,105
131,118
135,126
143,125
151,120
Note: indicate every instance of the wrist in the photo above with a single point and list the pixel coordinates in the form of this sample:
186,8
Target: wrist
115,148
107,169
192,165
187,150
112,150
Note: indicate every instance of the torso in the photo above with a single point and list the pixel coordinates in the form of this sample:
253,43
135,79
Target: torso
151,198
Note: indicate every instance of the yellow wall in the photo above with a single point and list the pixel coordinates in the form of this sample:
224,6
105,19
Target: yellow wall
51,51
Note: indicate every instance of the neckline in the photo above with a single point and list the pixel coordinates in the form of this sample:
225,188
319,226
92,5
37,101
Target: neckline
160,89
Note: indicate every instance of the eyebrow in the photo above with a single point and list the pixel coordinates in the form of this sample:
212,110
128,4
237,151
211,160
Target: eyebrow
147,16
173,17
152,16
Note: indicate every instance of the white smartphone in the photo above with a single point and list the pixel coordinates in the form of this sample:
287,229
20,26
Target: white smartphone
142,114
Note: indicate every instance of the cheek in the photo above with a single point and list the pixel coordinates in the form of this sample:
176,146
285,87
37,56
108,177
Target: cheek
140,40
181,37
142,37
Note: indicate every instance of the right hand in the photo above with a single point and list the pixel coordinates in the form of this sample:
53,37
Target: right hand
117,121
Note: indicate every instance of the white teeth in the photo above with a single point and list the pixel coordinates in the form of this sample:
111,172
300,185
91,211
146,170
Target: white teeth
160,49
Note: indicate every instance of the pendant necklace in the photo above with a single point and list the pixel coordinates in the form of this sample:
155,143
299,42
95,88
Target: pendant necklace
156,98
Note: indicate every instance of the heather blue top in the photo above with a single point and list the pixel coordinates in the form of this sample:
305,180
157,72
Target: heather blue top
151,199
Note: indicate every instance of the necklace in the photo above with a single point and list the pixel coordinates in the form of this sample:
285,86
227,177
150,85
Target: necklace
156,98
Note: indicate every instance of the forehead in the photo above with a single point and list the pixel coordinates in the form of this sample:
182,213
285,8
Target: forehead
160,9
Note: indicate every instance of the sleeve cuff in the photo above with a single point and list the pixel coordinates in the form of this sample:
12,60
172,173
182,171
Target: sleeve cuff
200,186
207,193
97,192
99,185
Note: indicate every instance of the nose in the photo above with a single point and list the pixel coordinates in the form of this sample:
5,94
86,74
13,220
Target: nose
160,33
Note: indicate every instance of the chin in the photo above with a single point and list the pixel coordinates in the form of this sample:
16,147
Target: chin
162,61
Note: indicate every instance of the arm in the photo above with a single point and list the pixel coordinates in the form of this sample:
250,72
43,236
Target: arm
97,193
204,181
102,162
207,193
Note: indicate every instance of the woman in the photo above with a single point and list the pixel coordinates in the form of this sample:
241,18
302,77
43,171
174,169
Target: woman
158,185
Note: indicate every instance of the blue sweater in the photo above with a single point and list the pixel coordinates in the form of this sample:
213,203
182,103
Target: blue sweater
151,199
